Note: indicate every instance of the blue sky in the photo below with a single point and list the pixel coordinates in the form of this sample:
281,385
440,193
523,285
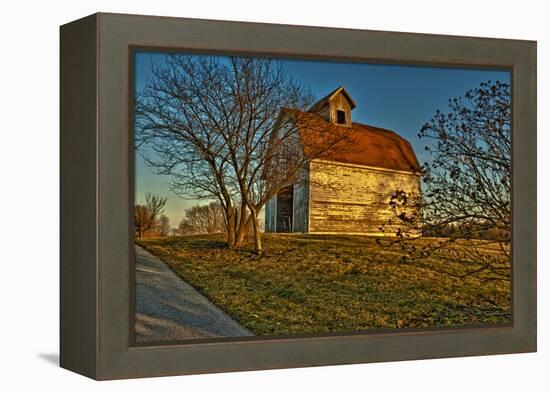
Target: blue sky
399,98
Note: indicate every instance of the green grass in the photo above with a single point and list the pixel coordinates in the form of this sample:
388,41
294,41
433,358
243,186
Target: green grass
329,283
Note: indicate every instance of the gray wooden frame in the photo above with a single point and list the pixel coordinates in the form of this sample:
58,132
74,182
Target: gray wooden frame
97,178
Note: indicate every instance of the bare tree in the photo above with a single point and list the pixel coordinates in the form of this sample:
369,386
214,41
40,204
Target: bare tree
163,225
145,215
141,220
185,228
466,186
206,218
217,127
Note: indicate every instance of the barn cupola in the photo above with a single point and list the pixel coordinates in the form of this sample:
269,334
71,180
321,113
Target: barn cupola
335,107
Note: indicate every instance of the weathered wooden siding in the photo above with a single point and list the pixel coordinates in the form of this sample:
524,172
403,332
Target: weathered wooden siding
353,199
301,202
270,215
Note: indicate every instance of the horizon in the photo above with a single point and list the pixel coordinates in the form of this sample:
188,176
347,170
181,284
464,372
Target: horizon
400,98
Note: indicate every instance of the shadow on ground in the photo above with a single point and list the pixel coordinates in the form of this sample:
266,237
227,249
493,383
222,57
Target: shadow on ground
52,358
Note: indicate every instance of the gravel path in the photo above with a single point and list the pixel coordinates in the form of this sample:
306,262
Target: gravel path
167,308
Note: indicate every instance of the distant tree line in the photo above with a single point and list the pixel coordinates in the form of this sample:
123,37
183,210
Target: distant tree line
482,231
150,220
203,219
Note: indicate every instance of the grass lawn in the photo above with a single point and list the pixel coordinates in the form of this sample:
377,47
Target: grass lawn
330,283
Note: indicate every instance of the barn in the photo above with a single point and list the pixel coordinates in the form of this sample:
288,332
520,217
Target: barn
349,191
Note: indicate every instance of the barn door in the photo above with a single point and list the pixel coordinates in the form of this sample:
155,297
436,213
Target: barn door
284,209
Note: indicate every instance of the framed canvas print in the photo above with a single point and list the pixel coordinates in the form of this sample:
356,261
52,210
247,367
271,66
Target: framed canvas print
240,196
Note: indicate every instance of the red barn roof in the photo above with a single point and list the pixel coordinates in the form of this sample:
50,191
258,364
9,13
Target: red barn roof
361,144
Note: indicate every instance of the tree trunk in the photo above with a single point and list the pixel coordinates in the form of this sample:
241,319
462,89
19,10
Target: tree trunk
240,237
257,235
231,221
248,229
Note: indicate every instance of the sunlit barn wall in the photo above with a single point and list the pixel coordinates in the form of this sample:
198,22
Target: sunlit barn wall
347,198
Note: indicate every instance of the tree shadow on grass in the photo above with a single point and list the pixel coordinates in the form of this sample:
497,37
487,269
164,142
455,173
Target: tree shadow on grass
206,244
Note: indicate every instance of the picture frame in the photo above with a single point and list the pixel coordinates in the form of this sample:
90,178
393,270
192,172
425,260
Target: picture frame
96,143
